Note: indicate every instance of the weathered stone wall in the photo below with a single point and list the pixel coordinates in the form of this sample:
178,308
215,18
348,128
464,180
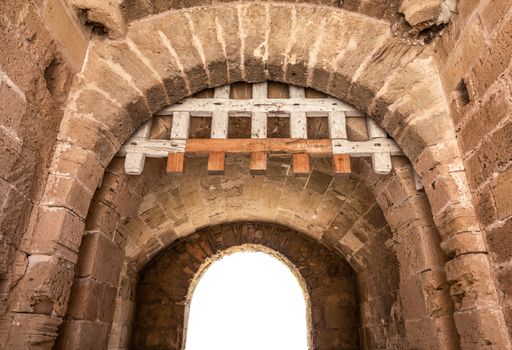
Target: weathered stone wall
35,76
362,63
135,9
475,58
163,290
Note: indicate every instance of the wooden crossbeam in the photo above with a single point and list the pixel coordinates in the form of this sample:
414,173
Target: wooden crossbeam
285,146
323,147
258,163
298,129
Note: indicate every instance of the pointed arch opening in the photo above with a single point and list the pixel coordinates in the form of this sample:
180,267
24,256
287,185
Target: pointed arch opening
248,297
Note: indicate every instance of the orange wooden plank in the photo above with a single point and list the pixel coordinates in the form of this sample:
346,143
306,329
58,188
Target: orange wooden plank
341,164
300,163
258,163
272,145
216,163
175,162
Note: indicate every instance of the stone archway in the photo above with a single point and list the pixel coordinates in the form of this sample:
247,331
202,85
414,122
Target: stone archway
397,84
328,280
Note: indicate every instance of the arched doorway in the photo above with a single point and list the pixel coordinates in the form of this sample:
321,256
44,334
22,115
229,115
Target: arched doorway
248,298
322,280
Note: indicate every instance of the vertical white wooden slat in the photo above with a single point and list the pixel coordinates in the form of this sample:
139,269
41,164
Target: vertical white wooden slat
337,125
134,161
298,120
259,119
220,119
180,125
381,162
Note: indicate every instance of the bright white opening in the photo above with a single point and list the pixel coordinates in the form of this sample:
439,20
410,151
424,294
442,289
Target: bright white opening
250,301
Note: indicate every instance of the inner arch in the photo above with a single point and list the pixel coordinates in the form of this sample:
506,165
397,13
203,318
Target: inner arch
248,300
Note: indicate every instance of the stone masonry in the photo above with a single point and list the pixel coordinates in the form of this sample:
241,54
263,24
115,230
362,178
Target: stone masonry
426,267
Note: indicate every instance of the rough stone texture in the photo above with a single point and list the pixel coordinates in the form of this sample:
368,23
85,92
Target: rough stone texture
353,53
330,285
475,59
34,81
136,9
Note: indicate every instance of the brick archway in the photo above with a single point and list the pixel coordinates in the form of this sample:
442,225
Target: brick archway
353,58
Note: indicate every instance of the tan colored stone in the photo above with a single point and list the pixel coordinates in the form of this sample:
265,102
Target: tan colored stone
100,259
66,28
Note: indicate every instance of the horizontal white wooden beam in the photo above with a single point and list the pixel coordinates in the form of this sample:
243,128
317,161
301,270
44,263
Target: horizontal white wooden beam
204,107
365,148
152,148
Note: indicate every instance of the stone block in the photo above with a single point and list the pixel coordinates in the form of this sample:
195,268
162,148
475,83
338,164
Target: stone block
55,228
14,216
433,333
464,243
83,133
227,21
67,192
102,218
457,218
494,60
80,334
72,161
499,239
368,81
501,188
253,29
45,287
206,31
106,13
464,55
66,28
494,13
38,331
10,150
485,207
182,42
92,300
490,156
100,258
495,108
418,250
482,328
472,286
129,63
